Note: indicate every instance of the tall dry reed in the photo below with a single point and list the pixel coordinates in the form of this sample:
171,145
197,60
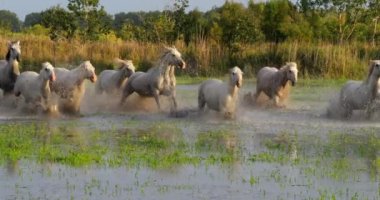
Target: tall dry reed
204,58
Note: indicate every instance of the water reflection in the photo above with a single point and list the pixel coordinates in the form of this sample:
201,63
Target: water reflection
160,161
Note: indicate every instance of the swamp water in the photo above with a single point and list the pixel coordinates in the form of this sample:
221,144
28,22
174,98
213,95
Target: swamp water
295,153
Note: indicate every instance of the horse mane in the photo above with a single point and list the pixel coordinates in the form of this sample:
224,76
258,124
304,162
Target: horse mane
281,73
165,52
121,63
8,55
158,64
371,67
288,65
82,65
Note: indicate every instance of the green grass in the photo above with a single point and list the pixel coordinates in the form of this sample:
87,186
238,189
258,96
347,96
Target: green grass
160,145
188,80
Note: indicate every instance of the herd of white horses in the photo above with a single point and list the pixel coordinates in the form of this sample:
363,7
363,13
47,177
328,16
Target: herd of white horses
37,89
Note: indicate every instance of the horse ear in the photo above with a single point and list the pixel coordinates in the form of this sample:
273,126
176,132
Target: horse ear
119,63
9,43
18,42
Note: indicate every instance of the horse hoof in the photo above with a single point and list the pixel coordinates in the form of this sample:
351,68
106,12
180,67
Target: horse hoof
178,114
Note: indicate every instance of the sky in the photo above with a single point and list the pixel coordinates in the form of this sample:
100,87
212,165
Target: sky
24,7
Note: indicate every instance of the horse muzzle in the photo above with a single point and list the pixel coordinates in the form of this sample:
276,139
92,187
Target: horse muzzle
52,77
293,83
238,84
182,65
93,78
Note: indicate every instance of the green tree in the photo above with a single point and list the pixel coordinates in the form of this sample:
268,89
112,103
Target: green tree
213,24
159,29
9,21
342,18
237,25
282,21
60,22
195,27
37,29
135,18
92,20
373,19
33,19
179,17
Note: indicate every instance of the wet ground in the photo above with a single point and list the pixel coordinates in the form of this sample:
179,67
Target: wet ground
135,152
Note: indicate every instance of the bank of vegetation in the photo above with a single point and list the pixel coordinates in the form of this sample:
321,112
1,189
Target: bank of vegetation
329,39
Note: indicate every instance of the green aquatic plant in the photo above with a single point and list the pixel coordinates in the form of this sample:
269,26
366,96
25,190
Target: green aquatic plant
218,146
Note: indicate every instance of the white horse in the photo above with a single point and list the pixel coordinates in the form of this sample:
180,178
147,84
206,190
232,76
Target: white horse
273,82
70,86
111,81
35,88
359,95
159,80
9,68
221,96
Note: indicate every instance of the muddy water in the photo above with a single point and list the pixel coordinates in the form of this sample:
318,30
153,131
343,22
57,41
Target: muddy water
293,153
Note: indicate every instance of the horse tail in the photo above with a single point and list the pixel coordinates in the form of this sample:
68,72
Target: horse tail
17,93
201,97
98,87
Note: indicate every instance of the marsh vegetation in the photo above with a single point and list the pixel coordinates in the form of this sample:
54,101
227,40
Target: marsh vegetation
294,153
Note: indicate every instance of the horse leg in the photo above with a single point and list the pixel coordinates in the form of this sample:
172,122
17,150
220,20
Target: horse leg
156,97
257,94
369,110
276,101
201,101
128,91
347,112
98,89
174,101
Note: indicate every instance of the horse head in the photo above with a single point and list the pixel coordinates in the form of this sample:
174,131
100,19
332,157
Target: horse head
173,57
126,66
47,72
291,72
374,68
89,71
14,51
236,76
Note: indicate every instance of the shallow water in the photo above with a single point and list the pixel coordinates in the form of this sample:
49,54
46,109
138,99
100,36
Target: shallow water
128,153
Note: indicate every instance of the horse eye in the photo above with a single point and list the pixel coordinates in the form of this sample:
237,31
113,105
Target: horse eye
46,69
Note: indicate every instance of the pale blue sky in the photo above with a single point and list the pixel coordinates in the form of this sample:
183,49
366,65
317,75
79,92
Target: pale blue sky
24,7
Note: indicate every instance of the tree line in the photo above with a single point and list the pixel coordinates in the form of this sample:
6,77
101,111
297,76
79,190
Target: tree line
231,24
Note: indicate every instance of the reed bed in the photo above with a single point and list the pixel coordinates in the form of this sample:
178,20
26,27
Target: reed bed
204,58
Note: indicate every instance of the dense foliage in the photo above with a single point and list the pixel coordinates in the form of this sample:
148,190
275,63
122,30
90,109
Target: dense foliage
332,38
274,20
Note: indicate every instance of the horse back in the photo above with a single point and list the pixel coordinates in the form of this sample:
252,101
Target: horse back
26,77
266,72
